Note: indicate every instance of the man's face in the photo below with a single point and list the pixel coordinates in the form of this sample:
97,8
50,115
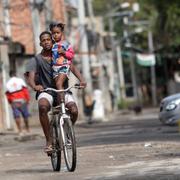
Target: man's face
46,42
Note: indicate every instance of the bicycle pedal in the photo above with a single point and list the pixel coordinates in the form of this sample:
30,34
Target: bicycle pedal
68,143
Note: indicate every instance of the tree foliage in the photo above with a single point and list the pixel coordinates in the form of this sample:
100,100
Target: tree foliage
165,21
163,16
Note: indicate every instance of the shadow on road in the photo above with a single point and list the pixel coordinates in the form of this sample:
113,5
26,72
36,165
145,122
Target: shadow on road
124,131
27,171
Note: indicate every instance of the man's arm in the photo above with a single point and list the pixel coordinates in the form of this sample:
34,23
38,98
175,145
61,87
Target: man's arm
76,72
31,69
31,82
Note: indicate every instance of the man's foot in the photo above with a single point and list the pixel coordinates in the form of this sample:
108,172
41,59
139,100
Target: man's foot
26,132
21,134
48,149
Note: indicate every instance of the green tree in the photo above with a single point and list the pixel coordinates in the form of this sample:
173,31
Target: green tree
166,24
163,16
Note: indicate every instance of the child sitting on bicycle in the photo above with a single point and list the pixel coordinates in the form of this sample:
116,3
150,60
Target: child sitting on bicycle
62,55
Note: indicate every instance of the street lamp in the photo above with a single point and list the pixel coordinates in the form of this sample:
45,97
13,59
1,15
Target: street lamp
118,66
135,8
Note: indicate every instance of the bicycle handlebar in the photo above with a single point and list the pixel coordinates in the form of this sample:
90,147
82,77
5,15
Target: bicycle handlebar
77,86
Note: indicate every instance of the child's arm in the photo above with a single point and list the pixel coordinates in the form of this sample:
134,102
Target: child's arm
69,54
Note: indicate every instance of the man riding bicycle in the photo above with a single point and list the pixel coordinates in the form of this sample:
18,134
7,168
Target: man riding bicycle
39,77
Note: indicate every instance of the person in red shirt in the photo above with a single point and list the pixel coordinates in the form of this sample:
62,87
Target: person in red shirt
18,97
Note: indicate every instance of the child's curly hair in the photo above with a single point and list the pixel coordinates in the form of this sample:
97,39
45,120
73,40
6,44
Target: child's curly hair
55,24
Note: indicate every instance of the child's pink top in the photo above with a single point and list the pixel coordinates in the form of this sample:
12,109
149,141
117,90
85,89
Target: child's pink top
69,53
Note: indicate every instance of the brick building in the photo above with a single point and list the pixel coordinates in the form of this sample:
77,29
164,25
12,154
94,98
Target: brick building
17,16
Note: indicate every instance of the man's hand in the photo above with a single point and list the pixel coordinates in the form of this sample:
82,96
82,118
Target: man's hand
83,84
38,88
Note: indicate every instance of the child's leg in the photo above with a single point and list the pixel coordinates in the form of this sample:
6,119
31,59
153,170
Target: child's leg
59,85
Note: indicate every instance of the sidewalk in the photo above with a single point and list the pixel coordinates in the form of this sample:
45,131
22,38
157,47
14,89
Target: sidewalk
129,114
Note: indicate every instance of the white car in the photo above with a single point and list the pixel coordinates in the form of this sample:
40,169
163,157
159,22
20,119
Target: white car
170,110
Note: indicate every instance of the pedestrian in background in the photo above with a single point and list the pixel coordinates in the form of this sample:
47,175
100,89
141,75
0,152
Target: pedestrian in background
88,106
18,97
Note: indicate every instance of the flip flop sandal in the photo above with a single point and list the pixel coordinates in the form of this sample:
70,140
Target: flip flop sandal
48,149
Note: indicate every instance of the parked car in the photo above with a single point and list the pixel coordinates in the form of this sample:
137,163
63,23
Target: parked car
170,110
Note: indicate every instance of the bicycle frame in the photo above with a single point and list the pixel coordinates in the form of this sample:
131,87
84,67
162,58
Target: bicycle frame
63,116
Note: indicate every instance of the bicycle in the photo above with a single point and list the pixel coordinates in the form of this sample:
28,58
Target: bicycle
63,136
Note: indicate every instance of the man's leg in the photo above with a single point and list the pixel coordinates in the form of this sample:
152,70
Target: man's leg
25,114
18,124
73,109
44,107
26,122
16,114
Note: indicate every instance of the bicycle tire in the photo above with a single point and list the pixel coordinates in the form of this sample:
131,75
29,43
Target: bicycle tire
56,154
69,146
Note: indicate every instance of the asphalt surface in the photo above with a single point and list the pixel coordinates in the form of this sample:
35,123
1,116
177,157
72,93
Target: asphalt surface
126,147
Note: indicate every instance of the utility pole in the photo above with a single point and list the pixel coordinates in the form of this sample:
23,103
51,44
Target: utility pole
117,64
5,64
153,73
7,26
116,84
36,24
48,13
84,46
91,13
132,64
5,70
120,73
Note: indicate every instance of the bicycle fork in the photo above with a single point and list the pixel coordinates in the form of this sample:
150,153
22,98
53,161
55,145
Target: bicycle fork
63,116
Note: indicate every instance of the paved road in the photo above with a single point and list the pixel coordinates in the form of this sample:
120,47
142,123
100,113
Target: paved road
128,147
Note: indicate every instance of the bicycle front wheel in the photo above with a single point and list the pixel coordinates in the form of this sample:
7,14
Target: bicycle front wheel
56,154
69,147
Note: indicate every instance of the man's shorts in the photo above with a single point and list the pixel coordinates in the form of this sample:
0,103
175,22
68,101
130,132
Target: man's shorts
68,98
19,109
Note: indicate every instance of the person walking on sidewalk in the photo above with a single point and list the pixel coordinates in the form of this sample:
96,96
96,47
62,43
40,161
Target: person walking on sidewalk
88,106
39,75
18,97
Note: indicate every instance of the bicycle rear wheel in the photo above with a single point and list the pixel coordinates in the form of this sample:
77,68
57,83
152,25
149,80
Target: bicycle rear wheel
56,154
69,147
